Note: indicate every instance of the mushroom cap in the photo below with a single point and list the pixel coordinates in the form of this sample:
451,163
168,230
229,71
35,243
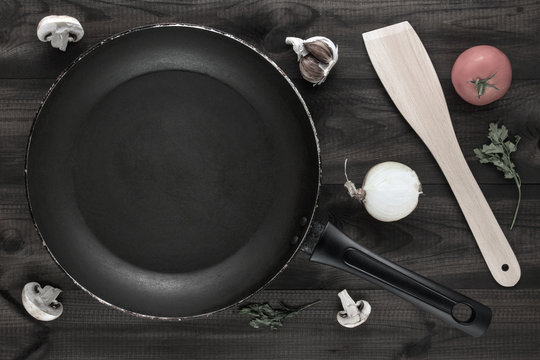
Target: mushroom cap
353,313
38,305
54,24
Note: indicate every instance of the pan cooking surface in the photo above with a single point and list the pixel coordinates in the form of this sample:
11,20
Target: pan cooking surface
169,169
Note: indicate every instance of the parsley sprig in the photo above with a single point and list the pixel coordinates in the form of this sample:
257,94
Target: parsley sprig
498,153
265,315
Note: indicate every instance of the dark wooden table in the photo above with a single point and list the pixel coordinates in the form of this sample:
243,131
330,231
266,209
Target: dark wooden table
355,119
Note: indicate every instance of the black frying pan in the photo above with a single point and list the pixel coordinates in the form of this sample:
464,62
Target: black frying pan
173,171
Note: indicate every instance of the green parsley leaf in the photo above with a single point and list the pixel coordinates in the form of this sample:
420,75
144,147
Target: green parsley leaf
265,315
498,153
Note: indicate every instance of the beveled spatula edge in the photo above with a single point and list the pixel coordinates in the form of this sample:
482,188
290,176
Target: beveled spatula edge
387,31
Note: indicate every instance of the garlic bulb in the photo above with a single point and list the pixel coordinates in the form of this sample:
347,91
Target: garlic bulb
390,191
316,55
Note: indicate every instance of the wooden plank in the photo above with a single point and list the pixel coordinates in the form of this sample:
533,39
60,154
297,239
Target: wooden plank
395,329
354,119
357,120
446,28
434,241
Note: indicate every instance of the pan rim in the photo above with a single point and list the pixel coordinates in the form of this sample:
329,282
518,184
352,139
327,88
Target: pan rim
147,27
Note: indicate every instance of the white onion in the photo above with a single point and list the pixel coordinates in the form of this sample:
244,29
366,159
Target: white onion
390,191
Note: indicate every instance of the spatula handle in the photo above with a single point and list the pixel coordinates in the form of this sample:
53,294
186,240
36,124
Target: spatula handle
489,236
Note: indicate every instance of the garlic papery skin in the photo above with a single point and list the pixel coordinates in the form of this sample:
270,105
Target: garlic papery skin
390,191
318,48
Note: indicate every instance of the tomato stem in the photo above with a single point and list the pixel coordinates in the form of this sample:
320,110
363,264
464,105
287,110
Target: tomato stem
482,84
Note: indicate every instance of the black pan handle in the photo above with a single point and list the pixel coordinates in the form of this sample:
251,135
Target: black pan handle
336,249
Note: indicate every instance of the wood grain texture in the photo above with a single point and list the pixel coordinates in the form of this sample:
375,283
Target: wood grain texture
447,29
355,119
434,241
395,330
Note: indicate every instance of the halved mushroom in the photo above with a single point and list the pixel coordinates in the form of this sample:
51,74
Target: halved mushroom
354,313
59,30
41,302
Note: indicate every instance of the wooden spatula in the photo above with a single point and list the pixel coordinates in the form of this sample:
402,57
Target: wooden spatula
404,67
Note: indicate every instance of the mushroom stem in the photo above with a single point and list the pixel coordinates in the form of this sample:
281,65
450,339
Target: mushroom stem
349,305
60,40
49,294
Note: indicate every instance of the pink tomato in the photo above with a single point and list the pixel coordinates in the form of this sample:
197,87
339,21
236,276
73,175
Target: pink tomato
481,74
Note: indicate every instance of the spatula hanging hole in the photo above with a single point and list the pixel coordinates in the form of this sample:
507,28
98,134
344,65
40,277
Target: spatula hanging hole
462,313
505,267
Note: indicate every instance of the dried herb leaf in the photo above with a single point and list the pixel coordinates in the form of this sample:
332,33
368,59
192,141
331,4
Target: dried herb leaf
265,315
498,153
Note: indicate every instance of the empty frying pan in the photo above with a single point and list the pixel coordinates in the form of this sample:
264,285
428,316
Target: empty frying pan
173,170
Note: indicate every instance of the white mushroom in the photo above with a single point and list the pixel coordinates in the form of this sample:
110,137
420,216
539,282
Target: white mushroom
41,302
59,30
354,313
